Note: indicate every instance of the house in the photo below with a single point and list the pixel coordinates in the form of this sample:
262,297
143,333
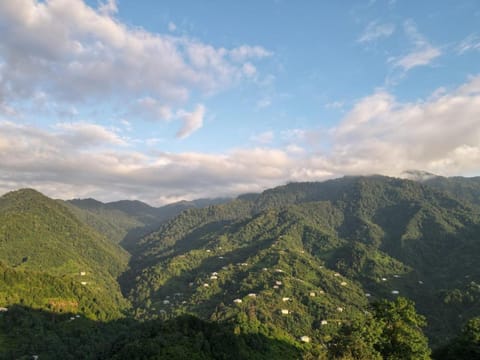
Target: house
305,339
83,283
336,274
3,309
252,295
206,285
343,283
209,251
278,282
83,273
284,312
324,322
279,271
368,294
286,299
214,273
166,302
395,292
275,286
384,279
237,301
312,294
213,277
339,309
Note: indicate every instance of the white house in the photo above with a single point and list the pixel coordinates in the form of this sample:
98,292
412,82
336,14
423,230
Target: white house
3,309
284,312
285,299
312,294
252,295
237,301
324,322
305,339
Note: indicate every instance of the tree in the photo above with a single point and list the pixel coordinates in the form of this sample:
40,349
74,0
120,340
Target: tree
402,336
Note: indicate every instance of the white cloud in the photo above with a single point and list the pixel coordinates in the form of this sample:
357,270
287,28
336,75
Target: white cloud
108,8
151,109
74,54
263,138
249,70
471,42
335,105
423,52
245,52
172,27
88,134
192,121
378,135
375,31
383,136
421,57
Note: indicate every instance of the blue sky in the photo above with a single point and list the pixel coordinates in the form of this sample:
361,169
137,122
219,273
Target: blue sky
166,100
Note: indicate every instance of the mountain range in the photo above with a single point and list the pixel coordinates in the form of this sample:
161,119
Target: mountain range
306,270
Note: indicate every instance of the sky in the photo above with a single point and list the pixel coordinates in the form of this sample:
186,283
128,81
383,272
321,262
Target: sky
168,100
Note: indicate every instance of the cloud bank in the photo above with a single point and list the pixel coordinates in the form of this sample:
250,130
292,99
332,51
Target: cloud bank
440,134
75,54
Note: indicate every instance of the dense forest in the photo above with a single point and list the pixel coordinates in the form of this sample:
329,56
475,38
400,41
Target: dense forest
351,268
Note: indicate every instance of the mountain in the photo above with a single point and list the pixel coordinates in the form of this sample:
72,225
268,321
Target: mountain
125,221
330,270
51,260
464,188
337,241
459,187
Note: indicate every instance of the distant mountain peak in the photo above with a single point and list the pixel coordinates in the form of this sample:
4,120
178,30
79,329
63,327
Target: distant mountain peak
417,175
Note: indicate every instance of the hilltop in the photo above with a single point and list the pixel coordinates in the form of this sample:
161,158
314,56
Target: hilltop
49,259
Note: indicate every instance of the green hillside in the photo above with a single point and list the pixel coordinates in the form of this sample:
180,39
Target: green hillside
125,221
464,188
50,259
351,268
376,235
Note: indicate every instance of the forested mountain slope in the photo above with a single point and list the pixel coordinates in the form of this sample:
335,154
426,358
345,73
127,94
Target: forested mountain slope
126,221
339,240
51,260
